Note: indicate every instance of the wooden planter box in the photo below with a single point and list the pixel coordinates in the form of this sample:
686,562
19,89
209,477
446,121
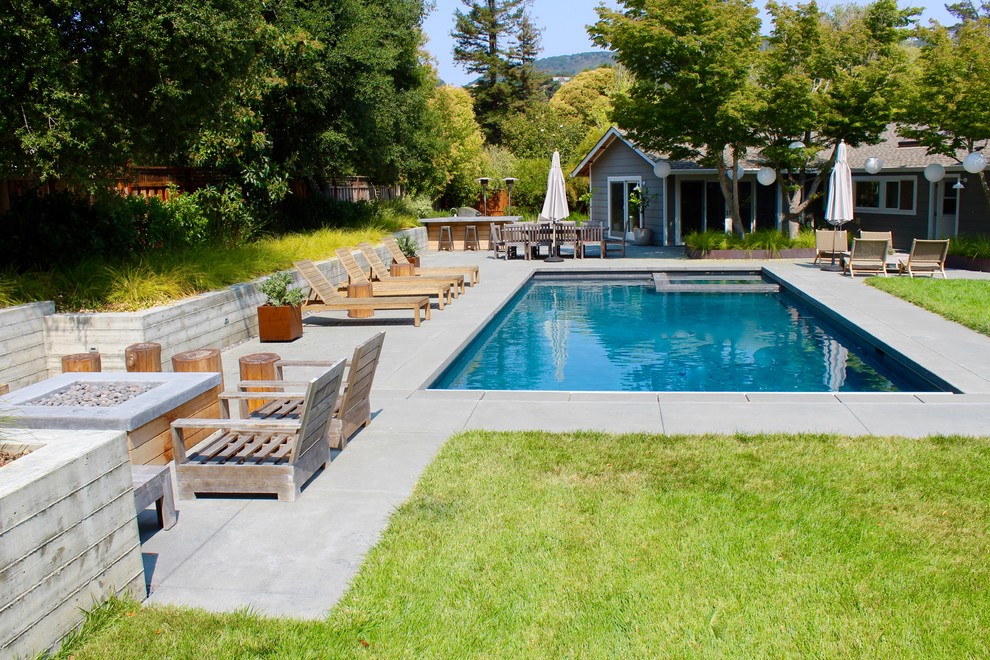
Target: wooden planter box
788,253
965,263
414,261
282,323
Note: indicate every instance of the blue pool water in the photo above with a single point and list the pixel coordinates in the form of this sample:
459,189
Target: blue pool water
623,336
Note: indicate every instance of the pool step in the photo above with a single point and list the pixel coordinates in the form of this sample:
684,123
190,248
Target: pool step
750,284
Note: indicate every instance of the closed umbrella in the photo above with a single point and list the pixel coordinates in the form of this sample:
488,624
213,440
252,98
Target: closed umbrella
555,204
839,206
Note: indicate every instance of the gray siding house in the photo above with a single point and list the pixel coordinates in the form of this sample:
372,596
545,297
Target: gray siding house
898,198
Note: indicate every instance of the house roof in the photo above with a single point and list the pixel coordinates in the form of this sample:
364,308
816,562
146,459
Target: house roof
897,153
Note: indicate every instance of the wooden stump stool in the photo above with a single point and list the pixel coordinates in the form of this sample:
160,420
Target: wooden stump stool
258,366
402,270
204,359
82,362
360,290
144,357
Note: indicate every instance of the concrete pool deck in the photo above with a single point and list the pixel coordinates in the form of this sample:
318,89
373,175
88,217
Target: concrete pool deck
297,559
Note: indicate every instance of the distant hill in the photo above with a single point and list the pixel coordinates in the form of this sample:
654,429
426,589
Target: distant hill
571,65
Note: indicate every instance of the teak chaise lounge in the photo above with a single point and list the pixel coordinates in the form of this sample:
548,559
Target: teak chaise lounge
323,296
926,257
868,255
353,410
396,253
382,274
259,455
412,287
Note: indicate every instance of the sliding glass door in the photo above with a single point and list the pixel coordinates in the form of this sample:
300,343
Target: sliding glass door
620,218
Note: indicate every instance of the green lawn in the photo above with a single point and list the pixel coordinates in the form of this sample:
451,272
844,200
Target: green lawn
589,545
963,301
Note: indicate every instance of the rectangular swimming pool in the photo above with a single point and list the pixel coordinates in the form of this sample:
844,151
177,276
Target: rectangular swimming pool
624,336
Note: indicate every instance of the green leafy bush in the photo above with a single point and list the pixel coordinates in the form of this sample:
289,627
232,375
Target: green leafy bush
973,246
763,239
278,290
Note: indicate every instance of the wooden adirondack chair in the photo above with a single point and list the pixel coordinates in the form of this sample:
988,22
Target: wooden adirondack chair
353,411
259,455
323,296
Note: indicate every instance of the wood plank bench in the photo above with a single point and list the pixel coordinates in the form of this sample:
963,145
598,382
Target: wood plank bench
153,483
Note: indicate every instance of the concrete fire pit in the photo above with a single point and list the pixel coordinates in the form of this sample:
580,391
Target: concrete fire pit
145,417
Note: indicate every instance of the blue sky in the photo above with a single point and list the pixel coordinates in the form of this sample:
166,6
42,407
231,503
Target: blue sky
564,32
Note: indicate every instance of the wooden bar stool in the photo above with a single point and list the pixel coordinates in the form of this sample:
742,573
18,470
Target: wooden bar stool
446,238
471,241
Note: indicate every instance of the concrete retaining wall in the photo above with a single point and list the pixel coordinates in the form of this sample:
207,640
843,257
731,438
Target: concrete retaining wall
211,320
68,535
22,344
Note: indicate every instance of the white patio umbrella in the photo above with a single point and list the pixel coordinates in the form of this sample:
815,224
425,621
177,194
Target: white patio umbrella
555,204
839,206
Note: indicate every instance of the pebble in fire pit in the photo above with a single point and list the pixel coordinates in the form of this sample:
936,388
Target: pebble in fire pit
93,394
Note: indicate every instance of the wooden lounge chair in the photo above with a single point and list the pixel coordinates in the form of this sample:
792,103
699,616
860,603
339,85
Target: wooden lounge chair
323,296
591,233
413,287
925,257
868,255
473,272
353,410
830,244
495,241
880,235
259,455
615,244
382,274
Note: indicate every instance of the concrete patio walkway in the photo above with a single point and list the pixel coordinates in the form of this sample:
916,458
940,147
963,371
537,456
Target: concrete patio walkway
297,558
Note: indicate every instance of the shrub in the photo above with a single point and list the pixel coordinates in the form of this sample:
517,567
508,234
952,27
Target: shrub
973,246
762,239
706,241
277,290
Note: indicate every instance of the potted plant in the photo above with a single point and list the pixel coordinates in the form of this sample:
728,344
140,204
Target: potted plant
409,248
639,201
280,318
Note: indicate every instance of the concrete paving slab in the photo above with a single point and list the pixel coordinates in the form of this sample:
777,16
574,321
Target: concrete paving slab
567,416
296,605
790,397
508,395
624,397
760,418
702,397
879,397
916,421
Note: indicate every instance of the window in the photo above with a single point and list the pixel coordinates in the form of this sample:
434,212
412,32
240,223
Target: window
885,195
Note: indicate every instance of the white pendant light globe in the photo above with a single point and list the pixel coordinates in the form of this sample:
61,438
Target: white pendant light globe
934,172
975,163
736,173
766,176
661,169
873,165
797,144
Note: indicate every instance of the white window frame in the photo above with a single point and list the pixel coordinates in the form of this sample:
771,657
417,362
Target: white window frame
882,182
638,180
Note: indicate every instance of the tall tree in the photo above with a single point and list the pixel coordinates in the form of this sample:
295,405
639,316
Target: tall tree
496,40
825,78
692,61
947,111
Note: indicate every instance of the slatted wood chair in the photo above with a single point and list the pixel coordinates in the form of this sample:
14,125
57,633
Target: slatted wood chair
323,296
925,257
591,233
353,411
472,272
567,236
381,273
272,456
415,287
868,255
516,239
541,236
615,244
